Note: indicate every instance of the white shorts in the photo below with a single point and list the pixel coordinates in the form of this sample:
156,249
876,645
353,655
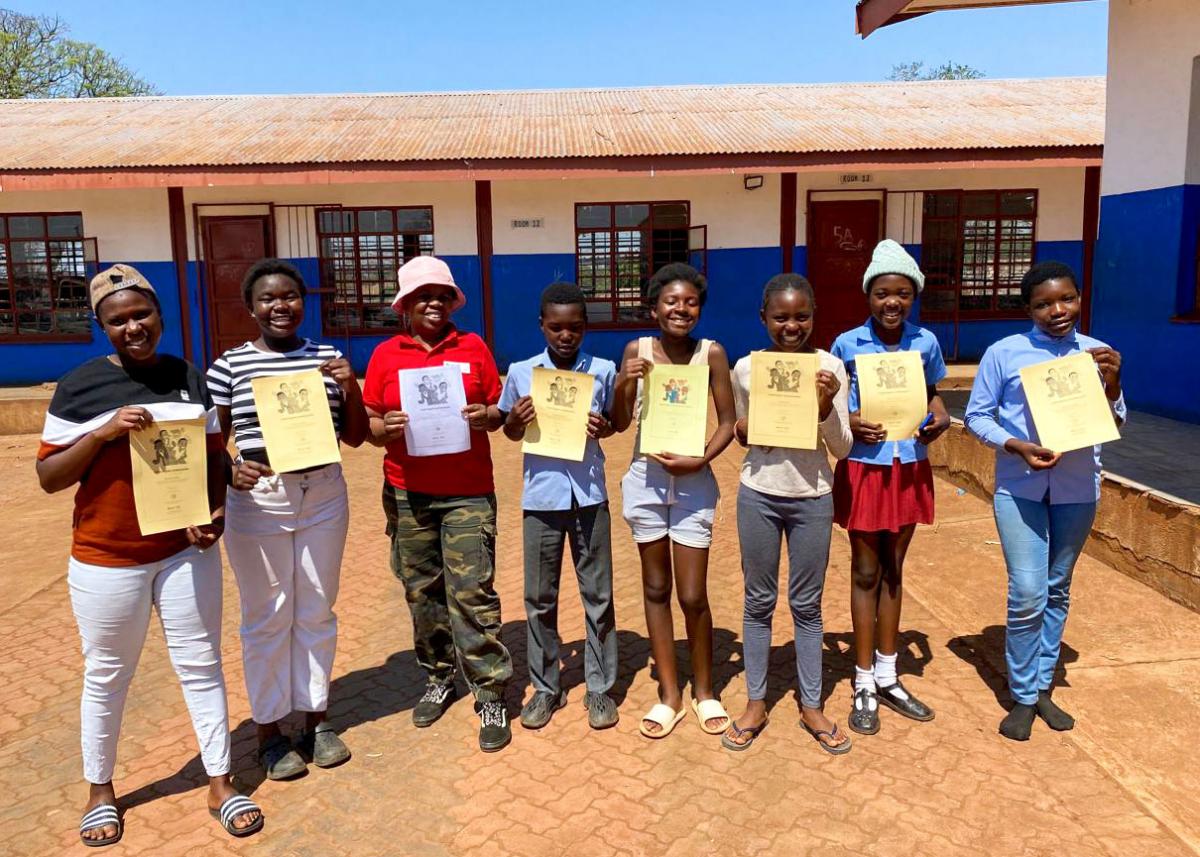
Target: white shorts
657,505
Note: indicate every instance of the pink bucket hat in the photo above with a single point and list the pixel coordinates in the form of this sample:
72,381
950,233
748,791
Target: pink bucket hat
425,271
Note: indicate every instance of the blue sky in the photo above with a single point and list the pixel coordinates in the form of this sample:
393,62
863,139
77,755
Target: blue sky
269,46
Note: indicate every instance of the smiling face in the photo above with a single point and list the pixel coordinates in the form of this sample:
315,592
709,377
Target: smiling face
677,309
564,325
277,304
890,298
1054,306
132,322
428,310
788,317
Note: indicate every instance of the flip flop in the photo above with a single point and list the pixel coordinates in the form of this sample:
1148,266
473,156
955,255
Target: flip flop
100,816
665,716
832,734
752,731
233,807
711,709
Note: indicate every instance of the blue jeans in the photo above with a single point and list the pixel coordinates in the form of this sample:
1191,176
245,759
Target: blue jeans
1041,543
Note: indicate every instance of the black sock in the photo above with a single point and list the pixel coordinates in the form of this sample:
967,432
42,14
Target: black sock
1018,723
1055,717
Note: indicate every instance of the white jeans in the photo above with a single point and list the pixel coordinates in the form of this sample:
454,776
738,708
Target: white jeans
285,538
112,608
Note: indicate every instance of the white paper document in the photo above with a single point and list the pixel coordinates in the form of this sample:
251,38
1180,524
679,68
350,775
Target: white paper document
433,398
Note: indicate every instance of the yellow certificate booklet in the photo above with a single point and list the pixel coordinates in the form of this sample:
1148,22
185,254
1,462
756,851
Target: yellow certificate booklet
674,410
1066,398
561,401
891,391
297,425
170,476
783,400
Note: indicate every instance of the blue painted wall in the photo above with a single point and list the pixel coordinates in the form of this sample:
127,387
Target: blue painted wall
1145,274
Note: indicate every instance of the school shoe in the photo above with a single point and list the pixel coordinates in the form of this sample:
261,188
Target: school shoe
895,697
602,710
438,696
494,729
538,711
864,714
323,747
279,759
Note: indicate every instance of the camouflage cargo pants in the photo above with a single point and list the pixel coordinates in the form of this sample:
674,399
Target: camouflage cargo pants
444,551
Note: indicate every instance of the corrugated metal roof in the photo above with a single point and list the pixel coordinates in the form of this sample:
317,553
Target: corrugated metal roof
215,131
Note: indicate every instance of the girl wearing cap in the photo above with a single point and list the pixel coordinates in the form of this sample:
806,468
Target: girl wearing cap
883,489
116,574
286,531
441,509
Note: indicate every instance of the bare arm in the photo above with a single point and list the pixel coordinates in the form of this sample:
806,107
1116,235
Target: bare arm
66,467
722,388
625,387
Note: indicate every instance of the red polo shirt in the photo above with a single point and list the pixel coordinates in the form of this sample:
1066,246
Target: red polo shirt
461,473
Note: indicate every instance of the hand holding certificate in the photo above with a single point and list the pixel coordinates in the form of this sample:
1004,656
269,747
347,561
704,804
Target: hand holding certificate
674,410
297,424
434,398
783,400
891,391
561,401
1068,404
170,476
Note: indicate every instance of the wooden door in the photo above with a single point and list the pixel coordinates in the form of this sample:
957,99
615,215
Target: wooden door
841,237
231,246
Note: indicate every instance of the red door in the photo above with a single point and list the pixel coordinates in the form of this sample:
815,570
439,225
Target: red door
231,246
841,237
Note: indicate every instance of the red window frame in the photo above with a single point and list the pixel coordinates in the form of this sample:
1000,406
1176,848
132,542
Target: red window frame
59,304
598,263
358,304
947,263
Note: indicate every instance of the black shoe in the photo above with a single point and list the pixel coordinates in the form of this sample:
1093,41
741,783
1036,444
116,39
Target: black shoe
279,759
864,715
1017,725
1055,717
439,695
894,697
602,710
323,747
538,711
494,729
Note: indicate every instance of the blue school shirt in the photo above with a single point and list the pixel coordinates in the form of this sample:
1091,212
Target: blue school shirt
998,411
862,340
552,484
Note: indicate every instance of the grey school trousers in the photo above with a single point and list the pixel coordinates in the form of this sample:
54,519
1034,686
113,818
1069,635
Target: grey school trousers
586,530
806,522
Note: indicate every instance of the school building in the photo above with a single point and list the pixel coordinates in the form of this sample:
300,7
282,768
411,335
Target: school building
979,179
1146,273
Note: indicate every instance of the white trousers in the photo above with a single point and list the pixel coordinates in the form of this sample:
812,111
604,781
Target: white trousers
285,539
112,608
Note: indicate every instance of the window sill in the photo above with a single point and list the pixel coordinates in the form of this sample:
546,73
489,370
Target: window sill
45,339
622,325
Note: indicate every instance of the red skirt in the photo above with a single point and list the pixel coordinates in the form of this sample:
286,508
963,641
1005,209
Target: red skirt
873,497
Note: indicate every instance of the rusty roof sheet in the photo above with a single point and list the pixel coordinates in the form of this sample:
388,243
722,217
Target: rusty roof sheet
245,130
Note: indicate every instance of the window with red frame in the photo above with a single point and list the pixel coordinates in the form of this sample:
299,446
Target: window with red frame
360,251
619,246
45,266
975,247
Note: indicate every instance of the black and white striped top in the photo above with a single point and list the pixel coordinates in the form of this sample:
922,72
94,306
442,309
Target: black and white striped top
229,384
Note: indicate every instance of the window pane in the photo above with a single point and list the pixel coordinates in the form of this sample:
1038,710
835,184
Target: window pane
978,264
26,227
3,228
670,215
632,215
1018,202
979,204
414,220
941,204
592,216
937,300
378,220
65,226
335,221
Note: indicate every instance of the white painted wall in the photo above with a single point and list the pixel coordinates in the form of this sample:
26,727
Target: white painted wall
1152,48
129,225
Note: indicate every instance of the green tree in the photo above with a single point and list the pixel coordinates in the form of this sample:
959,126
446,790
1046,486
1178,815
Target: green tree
945,71
37,60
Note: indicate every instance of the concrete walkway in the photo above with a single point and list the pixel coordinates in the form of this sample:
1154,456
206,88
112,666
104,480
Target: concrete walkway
1121,783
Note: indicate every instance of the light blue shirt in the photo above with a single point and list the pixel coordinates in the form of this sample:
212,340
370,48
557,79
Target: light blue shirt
552,484
999,411
862,340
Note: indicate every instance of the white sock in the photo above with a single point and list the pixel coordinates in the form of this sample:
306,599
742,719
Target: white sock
863,679
885,672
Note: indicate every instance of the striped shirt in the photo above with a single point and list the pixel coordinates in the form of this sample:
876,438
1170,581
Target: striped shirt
229,384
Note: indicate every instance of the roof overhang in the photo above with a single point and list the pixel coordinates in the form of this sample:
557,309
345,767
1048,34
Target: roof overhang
873,14
547,168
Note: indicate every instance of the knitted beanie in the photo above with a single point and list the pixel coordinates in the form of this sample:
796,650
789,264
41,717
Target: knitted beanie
890,258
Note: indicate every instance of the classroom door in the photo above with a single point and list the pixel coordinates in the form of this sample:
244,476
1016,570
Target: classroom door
841,237
231,246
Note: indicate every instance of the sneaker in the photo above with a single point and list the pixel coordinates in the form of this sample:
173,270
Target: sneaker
433,704
864,716
279,759
323,747
494,729
895,697
538,711
602,711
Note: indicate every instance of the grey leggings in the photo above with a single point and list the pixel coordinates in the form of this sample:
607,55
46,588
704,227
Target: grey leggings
806,522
